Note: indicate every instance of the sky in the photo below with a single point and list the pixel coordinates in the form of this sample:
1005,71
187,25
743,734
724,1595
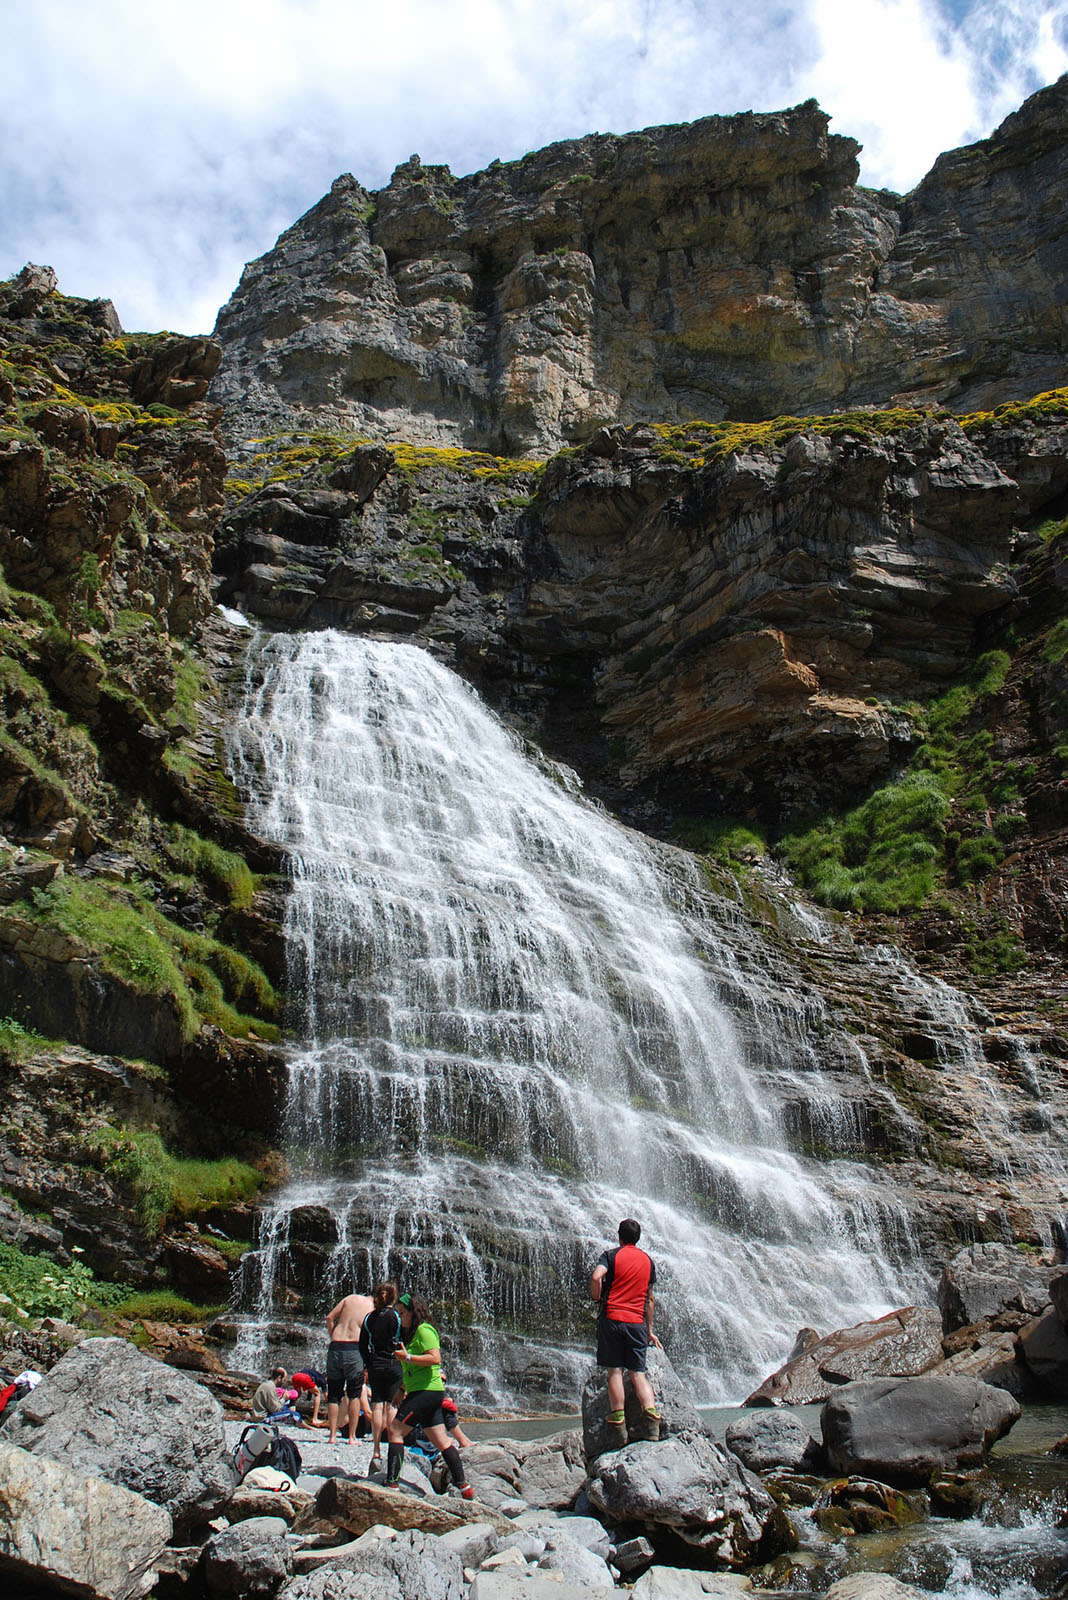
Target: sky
149,149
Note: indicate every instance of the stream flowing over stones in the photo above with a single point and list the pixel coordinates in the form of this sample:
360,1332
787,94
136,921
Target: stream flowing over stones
520,1022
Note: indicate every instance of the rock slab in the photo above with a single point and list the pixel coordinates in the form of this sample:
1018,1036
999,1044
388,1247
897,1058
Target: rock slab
903,1431
109,1411
899,1345
81,1533
678,1413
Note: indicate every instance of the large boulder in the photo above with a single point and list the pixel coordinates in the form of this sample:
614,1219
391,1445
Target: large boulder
984,1281
250,1561
691,1491
873,1586
61,1527
903,1431
546,1474
681,1583
1058,1293
112,1412
900,1345
768,1439
677,1411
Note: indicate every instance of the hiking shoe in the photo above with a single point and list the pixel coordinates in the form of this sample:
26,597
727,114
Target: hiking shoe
466,1491
615,1434
649,1427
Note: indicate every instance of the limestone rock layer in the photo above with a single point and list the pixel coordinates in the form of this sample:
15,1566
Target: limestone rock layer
730,267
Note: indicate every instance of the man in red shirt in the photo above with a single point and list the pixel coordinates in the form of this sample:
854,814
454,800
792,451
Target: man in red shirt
622,1284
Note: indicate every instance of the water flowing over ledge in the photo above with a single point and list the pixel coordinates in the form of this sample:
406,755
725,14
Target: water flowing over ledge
517,1026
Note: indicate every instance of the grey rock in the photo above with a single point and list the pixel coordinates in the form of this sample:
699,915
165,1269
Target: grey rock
250,1559
695,1490
902,1431
59,1525
512,1584
472,1543
113,1412
633,1555
512,1475
768,1439
1058,1293
680,1583
414,1563
589,1532
873,1586
578,1565
337,1584
677,1411
985,1280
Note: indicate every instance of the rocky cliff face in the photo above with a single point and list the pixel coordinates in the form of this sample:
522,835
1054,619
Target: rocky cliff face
123,888
728,268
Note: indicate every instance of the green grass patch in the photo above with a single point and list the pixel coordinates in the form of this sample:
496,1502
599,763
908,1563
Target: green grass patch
162,1305
891,852
203,858
167,1185
19,1044
722,839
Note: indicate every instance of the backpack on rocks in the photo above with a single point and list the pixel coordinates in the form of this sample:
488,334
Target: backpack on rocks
261,1445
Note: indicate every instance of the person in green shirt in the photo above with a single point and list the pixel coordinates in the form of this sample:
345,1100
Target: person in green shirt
424,1389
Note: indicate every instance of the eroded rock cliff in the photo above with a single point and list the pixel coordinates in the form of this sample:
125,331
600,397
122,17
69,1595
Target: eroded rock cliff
731,267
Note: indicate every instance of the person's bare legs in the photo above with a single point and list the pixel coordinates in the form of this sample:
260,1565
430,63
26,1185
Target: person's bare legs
331,1418
643,1389
616,1397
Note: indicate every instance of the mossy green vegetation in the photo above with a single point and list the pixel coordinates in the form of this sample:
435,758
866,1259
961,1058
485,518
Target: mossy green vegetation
19,1044
201,857
161,1305
167,1185
721,839
204,979
695,444
934,825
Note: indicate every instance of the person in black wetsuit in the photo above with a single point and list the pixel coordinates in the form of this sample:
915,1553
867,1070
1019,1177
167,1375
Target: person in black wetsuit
380,1339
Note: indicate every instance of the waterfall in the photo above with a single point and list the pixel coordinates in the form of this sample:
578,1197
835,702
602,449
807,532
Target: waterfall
512,1033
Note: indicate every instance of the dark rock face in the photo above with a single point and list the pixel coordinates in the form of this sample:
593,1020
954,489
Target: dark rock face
694,1491
730,267
117,1414
251,1560
904,1431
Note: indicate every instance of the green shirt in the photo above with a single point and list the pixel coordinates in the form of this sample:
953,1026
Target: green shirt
421,1377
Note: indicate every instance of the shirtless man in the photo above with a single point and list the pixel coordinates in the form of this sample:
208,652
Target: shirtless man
344,1364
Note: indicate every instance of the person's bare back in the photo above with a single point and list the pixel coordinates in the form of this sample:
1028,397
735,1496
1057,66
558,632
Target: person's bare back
346,1319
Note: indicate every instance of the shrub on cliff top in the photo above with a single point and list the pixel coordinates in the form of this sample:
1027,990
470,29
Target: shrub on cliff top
164,1184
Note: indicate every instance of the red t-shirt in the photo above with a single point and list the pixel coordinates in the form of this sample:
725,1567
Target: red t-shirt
633,1277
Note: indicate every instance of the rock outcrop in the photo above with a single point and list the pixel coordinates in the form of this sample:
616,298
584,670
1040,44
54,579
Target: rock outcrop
731,267
117,1414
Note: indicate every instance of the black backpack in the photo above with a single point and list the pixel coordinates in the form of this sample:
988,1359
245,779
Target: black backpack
285,1457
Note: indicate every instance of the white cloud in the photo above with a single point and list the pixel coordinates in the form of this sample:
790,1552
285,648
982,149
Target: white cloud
150,150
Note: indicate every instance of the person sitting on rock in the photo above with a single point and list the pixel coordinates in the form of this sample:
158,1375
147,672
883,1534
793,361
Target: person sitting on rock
311,1382
272,1403
622,1285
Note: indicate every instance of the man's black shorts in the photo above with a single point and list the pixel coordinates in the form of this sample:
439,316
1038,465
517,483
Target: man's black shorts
384,1381
344,1370
622,1344
424,1407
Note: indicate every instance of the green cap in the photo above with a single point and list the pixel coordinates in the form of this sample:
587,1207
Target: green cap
405,1300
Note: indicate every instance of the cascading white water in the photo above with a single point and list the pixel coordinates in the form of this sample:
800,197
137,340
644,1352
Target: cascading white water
510,1041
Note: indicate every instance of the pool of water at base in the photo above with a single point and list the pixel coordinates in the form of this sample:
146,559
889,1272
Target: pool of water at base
1013,1551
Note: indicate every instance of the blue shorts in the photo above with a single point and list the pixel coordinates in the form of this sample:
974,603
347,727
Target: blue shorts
622,1344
